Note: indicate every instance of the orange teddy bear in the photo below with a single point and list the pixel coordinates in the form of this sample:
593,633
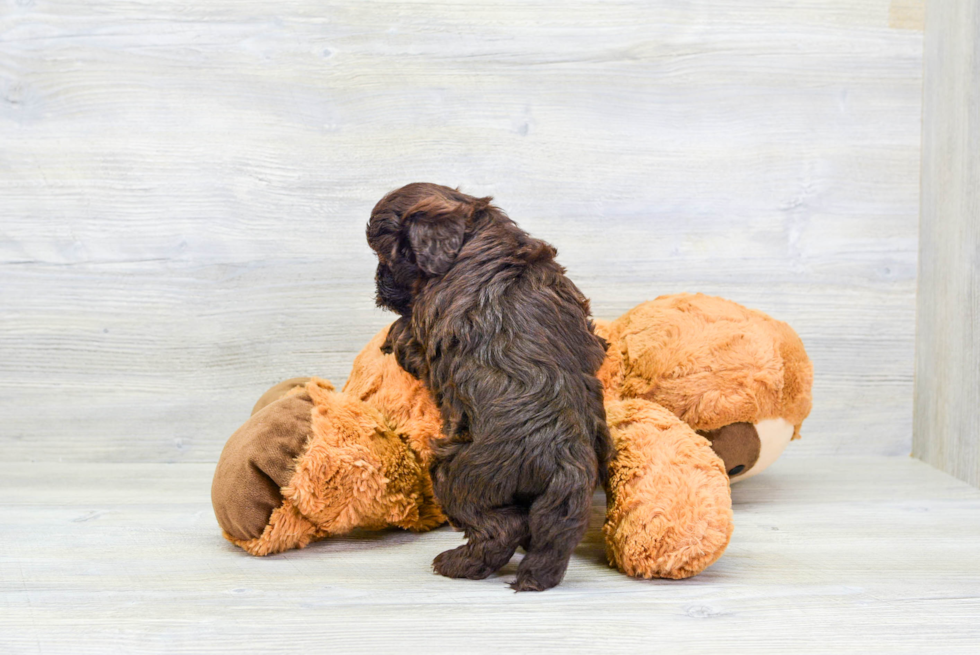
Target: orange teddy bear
698,390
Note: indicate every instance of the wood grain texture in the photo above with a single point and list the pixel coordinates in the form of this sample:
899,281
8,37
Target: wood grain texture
184,187
947,387
833,555
907,14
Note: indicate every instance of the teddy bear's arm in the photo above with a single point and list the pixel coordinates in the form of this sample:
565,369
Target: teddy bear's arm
669,509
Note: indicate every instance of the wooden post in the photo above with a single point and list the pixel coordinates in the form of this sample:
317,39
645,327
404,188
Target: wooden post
947,361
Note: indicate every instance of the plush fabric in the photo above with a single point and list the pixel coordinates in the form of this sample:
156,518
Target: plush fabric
737,444
669,512
353,471
675,366
711,362
257,461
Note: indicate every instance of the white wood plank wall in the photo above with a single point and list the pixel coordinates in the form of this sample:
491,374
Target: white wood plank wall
947,389
184,186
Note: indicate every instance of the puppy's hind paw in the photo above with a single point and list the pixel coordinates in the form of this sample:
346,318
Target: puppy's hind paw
526,585
458,563
530,581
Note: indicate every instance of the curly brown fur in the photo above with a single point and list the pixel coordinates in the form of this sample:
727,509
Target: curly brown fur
503,340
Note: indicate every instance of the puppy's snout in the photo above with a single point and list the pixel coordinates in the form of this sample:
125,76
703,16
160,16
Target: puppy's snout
383,276
384,282
390,294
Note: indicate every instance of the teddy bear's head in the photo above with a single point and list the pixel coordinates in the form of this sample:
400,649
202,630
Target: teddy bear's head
739,378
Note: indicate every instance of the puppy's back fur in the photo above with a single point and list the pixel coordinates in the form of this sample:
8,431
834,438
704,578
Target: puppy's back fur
503,340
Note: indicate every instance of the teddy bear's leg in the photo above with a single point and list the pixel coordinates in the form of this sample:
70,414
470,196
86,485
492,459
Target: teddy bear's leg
357,472
256,462
313,464
669,504
285,388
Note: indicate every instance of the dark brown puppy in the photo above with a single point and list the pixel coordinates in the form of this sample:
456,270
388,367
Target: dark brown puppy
503,340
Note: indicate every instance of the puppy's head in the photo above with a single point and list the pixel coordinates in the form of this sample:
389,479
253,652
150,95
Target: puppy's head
417,231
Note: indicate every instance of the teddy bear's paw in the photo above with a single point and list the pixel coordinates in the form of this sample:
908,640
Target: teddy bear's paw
640,552
669,537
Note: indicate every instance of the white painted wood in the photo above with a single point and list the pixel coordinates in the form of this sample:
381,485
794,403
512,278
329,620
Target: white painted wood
947,389
829,555
184,186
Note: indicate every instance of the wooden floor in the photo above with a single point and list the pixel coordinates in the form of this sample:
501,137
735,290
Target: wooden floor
842,555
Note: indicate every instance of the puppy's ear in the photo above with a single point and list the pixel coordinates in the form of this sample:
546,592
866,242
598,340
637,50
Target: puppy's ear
434,227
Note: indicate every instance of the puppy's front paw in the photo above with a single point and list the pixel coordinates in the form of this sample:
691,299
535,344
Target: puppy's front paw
458,563
388,347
